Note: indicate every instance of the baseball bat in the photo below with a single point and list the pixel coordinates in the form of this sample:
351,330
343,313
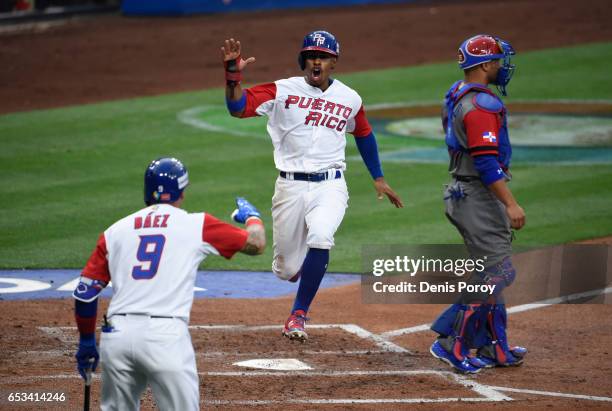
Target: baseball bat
87,393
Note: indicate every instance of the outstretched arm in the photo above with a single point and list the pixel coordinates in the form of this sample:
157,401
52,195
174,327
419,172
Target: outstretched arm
256,241
234,64
369,153
246,213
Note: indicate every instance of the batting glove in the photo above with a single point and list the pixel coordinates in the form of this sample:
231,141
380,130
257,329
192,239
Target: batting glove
244,211
87,356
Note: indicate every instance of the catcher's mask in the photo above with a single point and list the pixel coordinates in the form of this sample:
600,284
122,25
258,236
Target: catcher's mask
483,48
320,40
164,181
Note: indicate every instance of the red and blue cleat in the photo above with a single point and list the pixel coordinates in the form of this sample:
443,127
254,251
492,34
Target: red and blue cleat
294,326
463,364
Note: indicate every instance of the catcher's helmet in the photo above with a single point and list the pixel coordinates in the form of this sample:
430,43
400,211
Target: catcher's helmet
164,181
319,40
483,48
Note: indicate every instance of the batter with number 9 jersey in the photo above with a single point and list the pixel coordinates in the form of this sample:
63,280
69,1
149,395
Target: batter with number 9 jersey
308,118
152,257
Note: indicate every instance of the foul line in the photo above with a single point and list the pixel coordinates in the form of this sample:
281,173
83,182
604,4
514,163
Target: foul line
345,401
552,394
287,353
511,310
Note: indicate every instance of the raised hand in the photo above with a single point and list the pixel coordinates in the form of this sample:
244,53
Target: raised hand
231,51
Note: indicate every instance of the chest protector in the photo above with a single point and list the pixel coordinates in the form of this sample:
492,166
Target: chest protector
485,100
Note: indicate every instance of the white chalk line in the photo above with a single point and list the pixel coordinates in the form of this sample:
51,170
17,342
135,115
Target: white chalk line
214,354
380,342
324,373
354,329
511,310
470,384
552,394
489,392
352,401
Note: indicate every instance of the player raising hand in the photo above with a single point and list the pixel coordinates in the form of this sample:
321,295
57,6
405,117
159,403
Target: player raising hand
308,118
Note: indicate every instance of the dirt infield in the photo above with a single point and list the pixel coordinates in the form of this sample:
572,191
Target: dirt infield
93,59
570,352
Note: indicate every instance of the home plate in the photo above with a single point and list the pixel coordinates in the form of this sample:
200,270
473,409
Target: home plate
279,364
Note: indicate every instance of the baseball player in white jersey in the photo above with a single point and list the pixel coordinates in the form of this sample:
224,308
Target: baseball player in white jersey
308,118
152,257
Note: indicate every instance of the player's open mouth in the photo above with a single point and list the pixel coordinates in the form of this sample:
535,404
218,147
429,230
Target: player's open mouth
316,73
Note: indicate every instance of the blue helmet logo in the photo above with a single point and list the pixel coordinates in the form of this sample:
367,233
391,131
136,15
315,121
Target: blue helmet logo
319,40
164,181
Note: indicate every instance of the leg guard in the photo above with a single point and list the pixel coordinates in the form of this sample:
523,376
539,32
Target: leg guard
497,352
459,327
445,323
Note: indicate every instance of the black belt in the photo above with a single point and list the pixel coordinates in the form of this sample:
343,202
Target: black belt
312,177
466,179
145,315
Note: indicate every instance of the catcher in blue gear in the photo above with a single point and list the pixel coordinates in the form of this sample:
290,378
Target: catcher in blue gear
479,203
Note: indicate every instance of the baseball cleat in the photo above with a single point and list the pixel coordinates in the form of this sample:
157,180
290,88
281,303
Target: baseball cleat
518,351
511,358
462,366
479,362
294,326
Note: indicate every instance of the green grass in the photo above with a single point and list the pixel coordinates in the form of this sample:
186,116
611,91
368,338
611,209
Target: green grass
69,173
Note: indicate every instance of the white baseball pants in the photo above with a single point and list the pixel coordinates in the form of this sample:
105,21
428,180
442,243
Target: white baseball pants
148,351
304,215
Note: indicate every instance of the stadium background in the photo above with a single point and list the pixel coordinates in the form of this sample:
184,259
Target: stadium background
86,102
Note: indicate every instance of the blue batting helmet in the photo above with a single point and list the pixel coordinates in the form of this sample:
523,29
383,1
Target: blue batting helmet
164,181
319,40
483,48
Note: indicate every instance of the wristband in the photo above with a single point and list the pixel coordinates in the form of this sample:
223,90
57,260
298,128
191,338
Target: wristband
236,106
253,221
232,74
233,78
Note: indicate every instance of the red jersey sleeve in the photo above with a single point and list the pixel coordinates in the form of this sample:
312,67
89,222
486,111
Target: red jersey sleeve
97,265
226,238
482,131
362,125
256,96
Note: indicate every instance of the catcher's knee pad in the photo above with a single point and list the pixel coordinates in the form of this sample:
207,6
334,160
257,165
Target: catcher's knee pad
501,275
